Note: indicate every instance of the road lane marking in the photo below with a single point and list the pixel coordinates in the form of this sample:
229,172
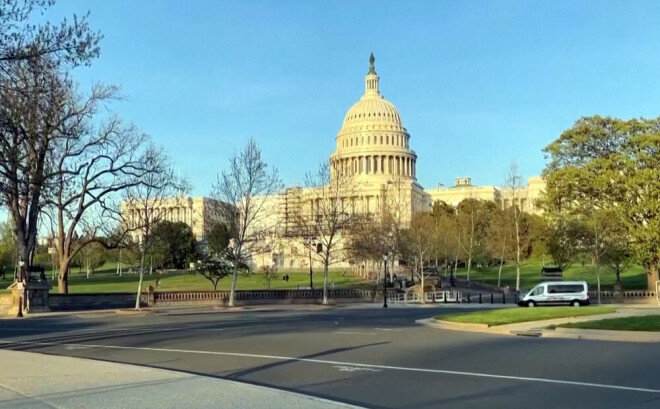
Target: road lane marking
354,333
353,364
344,368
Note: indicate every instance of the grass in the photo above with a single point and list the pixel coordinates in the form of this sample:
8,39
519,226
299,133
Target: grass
647,323
530,275
513,315
106,280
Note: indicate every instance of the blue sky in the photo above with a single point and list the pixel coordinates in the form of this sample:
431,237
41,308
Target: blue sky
478,83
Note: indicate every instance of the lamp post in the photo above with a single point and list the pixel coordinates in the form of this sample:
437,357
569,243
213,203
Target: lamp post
21,294
385,257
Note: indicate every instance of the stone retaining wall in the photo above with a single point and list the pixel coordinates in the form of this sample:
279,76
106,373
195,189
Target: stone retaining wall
5,304
94,301
266,297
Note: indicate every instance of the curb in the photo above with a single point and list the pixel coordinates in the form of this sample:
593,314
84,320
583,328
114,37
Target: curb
459,326
602,335
558,332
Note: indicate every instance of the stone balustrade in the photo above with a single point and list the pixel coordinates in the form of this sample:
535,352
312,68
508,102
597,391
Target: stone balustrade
265,296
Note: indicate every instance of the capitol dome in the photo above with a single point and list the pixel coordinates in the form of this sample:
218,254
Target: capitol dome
372,107
372,139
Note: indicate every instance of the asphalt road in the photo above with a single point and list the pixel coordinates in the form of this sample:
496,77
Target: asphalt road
365,356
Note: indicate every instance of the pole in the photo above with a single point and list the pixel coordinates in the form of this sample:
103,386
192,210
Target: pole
21,296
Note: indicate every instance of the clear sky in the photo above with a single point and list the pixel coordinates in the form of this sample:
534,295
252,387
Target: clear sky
478,83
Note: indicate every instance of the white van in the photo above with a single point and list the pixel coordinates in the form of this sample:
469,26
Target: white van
575,293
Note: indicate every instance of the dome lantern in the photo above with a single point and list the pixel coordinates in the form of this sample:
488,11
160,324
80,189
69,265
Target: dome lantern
371,79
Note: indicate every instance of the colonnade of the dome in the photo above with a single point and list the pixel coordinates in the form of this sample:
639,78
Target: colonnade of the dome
402,165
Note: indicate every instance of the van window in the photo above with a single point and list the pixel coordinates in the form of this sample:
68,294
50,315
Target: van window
565,289
538,291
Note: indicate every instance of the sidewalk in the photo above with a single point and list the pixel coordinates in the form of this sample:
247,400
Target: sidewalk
539,328
211,309
32,380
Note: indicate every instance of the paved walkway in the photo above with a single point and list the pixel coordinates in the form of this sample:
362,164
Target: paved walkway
539,328
32,380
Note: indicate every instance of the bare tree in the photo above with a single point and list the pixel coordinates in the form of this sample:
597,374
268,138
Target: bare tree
395,214
330,195
21,40
516,193
143,205
243,192
91,167
32,105
420,242
32,90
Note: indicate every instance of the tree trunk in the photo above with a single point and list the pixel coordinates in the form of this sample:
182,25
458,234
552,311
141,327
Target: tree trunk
598,280
652,276
517,255
469,265
325,282
232,291
421,278
139,290
234,276
63,275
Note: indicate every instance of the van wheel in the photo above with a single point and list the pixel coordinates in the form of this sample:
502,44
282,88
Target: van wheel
576,303
531,304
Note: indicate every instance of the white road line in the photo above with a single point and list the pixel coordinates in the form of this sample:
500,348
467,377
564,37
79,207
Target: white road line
354,333
388,329
354,364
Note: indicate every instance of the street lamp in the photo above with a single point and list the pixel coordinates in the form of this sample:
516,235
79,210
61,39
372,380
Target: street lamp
21,293
385,257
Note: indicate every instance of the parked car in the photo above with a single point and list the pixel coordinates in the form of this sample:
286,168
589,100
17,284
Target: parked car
575,293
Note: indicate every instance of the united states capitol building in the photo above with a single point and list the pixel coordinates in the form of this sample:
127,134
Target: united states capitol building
374,148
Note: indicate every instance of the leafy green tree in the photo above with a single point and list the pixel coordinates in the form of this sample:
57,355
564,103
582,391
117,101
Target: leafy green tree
217,239
215,269
446,246
174,244
91,257
563,242
501,239
613,165
473,219
7,249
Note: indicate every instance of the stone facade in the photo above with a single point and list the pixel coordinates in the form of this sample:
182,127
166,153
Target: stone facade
525,198
196,212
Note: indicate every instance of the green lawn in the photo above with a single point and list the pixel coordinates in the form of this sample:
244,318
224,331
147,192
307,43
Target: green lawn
530,275
106,280
648,323
513,315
